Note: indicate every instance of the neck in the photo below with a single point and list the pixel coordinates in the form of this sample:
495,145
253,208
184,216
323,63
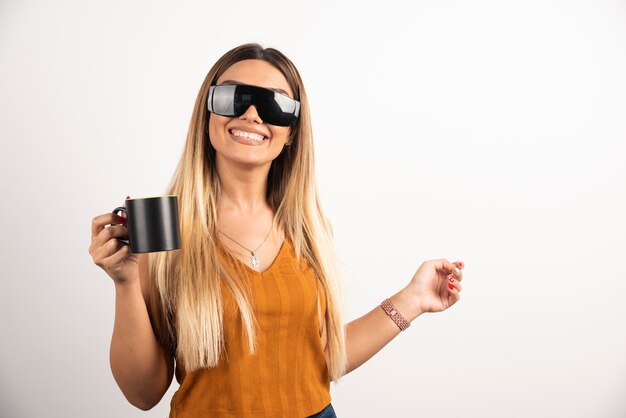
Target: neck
242,189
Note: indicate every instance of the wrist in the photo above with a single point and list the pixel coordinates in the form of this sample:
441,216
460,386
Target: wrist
126,286
407,304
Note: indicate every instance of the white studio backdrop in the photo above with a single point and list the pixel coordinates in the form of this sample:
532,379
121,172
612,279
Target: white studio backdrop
486,131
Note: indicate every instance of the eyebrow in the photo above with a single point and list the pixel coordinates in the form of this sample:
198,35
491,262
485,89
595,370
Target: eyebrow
281,91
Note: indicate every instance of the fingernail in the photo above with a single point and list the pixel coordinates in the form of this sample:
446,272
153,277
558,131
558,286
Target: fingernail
450,287
121,219
457,270
451,279
127,197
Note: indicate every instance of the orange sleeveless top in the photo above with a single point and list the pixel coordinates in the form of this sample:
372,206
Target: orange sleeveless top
287,376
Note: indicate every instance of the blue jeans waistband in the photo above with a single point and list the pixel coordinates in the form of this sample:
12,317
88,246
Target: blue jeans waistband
327,412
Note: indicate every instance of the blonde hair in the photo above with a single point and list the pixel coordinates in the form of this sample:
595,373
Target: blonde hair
186,305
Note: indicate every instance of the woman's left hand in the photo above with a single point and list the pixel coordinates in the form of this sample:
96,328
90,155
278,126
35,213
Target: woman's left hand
436,285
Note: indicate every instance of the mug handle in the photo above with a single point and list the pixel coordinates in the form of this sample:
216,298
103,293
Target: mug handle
121,209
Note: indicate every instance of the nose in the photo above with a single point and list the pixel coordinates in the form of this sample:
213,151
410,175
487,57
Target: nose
251,115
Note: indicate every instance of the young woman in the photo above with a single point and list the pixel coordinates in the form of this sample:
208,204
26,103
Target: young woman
247,313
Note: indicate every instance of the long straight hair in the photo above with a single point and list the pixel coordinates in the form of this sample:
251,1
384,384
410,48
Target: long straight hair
185,302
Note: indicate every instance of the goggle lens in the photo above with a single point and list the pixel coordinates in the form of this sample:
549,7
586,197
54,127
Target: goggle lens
233,100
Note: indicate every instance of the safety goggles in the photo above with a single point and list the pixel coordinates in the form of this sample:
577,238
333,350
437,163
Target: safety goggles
234,99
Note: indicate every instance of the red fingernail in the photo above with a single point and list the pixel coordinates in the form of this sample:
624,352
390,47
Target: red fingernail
127,197
451,279
121,219
450,287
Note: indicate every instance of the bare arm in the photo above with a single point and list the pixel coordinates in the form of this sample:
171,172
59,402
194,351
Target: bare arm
141,367
430,290
367,335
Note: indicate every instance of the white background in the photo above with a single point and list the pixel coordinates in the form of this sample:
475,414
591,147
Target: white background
487,131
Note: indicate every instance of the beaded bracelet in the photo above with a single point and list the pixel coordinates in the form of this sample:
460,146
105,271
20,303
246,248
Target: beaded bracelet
393,313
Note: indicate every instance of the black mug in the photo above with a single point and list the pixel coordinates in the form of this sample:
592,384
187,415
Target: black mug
152,224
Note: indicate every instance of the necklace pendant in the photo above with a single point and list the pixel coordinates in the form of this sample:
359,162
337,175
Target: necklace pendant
254,260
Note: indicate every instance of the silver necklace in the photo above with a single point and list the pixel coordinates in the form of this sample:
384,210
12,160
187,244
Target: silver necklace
254,259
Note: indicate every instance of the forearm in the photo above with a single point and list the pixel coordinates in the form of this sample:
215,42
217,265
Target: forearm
139,364
367,335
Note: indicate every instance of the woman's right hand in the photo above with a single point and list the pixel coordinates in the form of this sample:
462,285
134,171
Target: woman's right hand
113,256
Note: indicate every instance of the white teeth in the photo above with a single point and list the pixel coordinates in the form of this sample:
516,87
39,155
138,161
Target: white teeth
249,135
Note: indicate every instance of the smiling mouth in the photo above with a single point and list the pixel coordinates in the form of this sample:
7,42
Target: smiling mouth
247,135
